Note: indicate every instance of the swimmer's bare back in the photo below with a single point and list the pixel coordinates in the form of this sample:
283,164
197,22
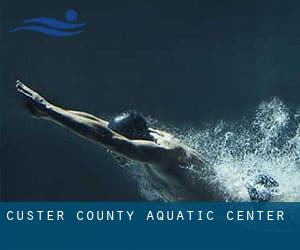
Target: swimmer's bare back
166,156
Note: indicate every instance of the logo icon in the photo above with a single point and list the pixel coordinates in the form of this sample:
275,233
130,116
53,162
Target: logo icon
53,27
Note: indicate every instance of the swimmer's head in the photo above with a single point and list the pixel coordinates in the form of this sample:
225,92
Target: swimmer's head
132,125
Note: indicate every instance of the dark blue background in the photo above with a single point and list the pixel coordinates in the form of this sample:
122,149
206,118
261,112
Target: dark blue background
182,62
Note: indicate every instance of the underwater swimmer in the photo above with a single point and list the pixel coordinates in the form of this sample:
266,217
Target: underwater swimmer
129,135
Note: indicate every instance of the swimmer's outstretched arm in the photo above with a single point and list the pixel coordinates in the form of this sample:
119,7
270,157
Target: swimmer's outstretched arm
95,129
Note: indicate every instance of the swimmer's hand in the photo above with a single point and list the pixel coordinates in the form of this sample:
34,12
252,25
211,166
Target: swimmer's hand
35,103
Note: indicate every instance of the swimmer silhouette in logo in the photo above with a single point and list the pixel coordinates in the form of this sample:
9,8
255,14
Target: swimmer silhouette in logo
53,27
166,158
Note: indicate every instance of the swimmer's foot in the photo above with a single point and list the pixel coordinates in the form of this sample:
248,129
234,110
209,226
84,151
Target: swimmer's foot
34,103
263,188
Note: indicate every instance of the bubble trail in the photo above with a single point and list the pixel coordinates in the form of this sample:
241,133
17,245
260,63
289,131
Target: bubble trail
266,142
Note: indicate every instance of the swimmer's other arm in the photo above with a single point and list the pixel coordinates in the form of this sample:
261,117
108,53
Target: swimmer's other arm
95,129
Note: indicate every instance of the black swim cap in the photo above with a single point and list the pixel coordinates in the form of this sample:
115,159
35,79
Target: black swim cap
132,125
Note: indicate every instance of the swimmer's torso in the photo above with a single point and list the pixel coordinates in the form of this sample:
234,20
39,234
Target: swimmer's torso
180,183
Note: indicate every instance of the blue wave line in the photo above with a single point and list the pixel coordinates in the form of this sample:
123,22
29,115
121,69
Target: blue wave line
47,31
53,23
